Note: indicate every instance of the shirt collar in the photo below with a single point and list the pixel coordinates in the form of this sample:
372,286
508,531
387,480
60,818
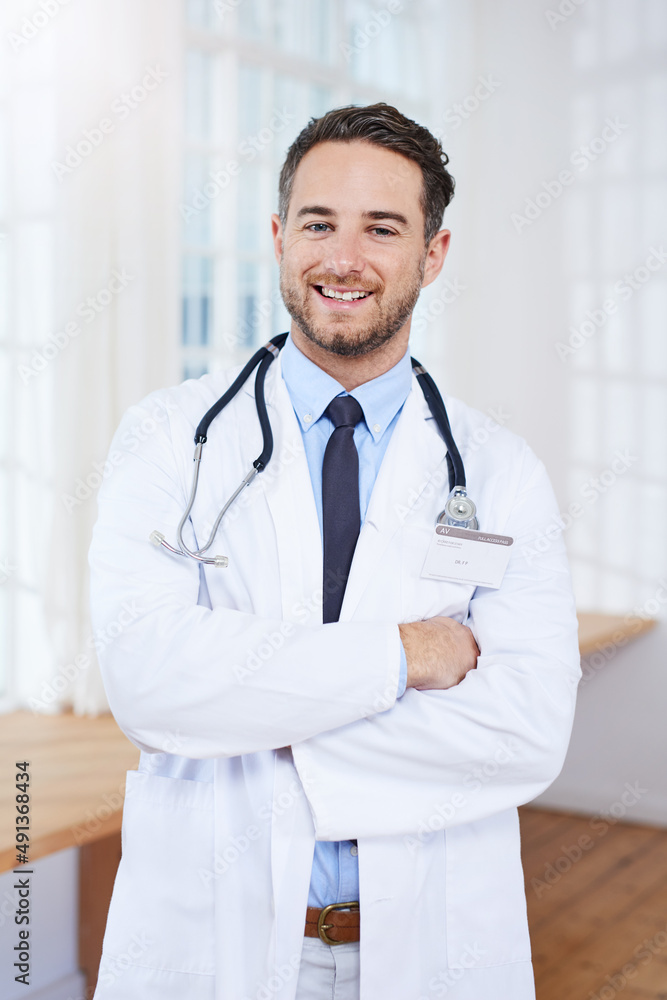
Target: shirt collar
311,390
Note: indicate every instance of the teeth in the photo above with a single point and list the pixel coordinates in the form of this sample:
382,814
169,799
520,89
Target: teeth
343,296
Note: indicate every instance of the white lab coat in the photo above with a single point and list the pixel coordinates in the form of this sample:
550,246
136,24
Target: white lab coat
219,672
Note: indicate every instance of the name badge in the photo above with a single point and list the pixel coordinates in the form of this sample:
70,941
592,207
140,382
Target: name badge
467,556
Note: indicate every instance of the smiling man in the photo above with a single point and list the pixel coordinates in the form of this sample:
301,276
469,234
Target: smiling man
337,728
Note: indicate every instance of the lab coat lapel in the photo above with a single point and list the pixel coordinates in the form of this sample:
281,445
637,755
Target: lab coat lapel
416,452
289,494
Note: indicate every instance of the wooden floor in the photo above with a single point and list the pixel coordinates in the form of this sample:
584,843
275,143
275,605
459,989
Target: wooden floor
597,907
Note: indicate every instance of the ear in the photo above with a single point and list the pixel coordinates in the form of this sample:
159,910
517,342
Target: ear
277,232
435,256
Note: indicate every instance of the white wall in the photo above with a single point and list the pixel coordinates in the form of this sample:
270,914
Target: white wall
551,89
619,742
54,973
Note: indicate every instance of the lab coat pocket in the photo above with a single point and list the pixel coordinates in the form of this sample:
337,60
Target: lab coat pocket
421,597
161,915
486,903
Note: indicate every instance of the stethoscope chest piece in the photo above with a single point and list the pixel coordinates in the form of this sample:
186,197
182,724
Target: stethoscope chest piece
460,511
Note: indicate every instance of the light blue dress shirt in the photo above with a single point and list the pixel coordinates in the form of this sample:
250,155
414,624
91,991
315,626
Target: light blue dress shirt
335,874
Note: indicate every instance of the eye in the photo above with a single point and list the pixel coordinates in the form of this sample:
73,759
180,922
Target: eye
382,231
313,227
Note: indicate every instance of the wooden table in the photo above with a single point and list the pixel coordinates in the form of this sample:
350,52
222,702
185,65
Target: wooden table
77,780
78,770
596,630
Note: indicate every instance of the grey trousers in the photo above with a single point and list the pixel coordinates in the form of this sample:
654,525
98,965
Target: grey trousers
328,972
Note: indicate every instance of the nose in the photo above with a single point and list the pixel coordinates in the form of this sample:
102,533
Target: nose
344,253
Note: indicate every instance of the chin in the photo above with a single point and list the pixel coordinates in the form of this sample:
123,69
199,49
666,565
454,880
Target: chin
347,345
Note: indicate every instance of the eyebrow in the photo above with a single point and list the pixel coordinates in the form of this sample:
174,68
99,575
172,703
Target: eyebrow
375,215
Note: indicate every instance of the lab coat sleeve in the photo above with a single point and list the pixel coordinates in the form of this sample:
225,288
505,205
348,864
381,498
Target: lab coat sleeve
171,666
497,739
403,674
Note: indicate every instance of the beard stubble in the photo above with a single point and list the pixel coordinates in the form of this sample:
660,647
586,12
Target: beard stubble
390,316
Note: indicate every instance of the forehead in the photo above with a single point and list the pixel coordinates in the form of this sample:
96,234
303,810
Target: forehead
357,176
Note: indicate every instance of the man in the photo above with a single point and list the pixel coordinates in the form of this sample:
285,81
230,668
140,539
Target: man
322,722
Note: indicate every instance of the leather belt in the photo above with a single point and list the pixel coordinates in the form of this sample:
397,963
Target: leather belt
332,924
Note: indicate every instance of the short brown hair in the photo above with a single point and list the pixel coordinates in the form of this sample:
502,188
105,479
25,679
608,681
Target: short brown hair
383,125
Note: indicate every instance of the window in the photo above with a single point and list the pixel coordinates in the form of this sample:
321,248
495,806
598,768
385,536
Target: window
6,566
256,71
27,263
617,350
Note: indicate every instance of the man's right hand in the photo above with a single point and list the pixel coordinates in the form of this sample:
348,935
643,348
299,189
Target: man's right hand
439,653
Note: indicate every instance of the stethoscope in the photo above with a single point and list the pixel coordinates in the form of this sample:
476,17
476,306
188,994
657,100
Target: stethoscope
459,510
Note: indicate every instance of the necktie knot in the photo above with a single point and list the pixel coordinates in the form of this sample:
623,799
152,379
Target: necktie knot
345,411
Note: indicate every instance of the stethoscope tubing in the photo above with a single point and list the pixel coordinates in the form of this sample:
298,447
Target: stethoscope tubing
262,360
268,352
457,476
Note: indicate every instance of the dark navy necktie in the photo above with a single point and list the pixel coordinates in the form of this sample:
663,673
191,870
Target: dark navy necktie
341,516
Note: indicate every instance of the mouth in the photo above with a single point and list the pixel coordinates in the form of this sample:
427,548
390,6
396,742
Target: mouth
342,298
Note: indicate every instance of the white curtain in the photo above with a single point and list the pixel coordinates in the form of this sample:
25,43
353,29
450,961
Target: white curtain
95,97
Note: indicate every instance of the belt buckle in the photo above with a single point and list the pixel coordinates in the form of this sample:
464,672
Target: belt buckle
322,928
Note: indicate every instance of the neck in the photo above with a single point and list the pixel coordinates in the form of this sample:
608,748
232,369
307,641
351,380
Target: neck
352,371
